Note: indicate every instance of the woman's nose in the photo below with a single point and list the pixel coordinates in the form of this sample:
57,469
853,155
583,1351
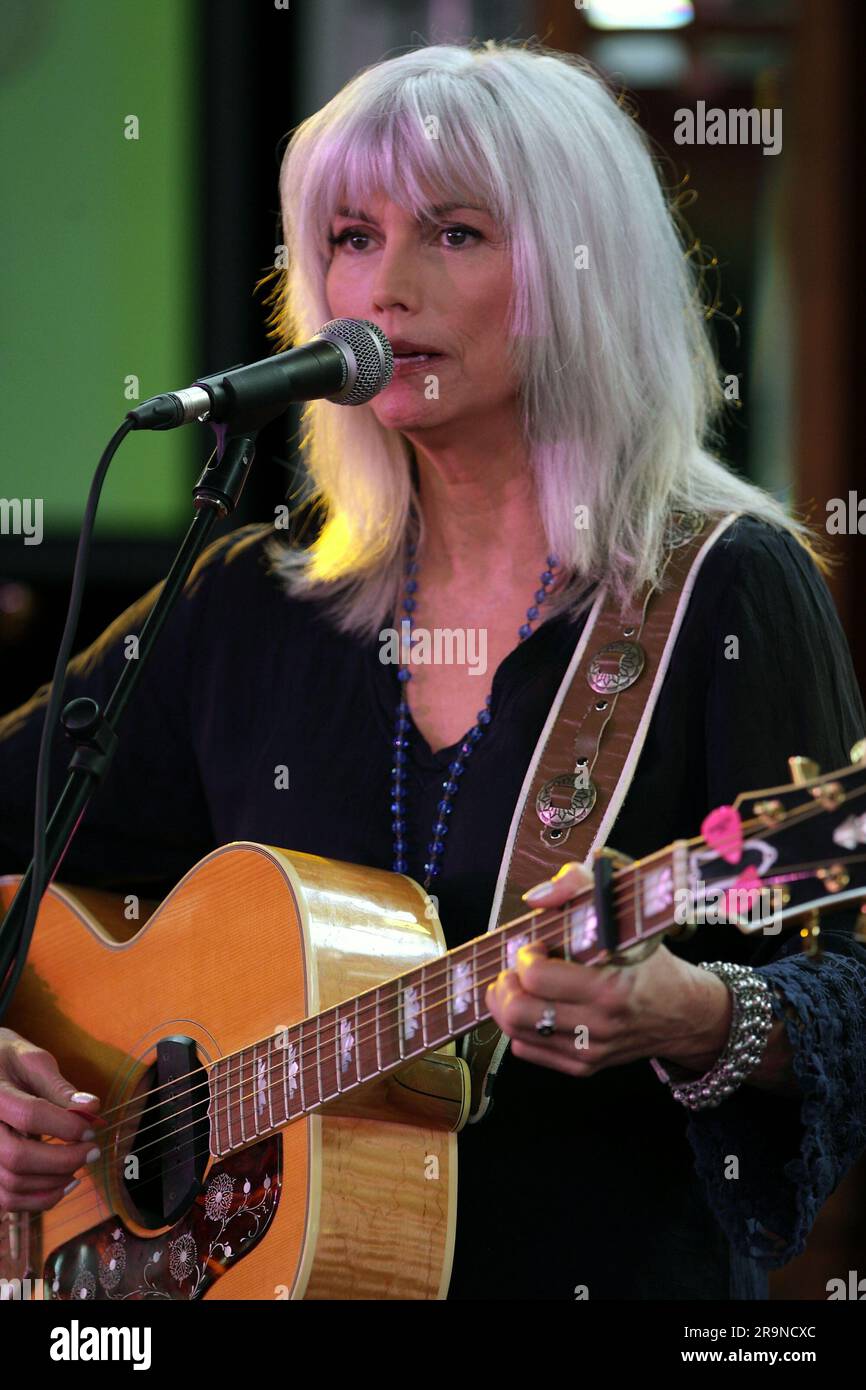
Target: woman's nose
397,278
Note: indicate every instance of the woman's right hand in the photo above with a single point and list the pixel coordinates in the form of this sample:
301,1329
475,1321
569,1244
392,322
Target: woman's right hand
36,1100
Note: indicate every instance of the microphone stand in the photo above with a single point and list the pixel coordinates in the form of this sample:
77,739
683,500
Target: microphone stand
93,731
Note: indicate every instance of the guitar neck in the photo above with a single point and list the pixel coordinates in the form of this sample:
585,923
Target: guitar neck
302,1067
802,842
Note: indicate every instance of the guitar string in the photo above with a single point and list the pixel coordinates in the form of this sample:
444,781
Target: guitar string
232,1101
153,1163
310,1052
247,1142
327,1041
96,1200
622,899
799,814
326,1036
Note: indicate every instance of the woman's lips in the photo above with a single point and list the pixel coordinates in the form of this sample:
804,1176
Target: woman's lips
412,362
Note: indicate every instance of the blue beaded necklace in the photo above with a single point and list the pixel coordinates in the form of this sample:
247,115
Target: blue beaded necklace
456,768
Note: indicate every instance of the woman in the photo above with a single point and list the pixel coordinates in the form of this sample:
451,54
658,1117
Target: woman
497,214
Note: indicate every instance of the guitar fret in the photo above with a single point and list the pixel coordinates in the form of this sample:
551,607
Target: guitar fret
366,1057
285,1051
391,1037
338,1048
329,1067
270,1090
582,928
319,1058
229,1100
634,897
302,1067
437,996
378,1036
214,1109
460,991
413,1015
475,984
657,889
256,1088
253,1094
680,866
294,1060
263,1091
241,1094
424,1020
348,1047
512,946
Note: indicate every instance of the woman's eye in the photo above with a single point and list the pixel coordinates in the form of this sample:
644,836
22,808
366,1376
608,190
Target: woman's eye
461,231
354,234
344,236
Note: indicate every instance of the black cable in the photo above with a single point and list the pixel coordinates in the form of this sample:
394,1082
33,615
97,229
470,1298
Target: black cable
13,952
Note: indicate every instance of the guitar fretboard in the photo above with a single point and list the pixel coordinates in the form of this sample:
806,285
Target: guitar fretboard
304,1066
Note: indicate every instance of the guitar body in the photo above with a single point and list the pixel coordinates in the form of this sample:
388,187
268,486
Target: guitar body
274,1048
350,1202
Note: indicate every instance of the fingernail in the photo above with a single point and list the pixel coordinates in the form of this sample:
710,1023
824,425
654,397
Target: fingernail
70,1186
535,895
92,1155
83,1098
88,1134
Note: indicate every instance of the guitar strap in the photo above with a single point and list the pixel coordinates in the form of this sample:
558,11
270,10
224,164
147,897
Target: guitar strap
586,756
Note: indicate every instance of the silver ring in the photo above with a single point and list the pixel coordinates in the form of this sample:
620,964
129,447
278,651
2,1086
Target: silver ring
547,1023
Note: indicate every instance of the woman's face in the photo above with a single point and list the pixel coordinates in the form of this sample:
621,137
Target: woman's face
443,286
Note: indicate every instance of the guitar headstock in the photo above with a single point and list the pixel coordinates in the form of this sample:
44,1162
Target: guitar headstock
788,852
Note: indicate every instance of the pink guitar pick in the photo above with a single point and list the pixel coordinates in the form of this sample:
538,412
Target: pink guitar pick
723,832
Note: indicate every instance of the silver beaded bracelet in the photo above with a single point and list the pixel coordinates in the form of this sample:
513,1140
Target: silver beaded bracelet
750,1027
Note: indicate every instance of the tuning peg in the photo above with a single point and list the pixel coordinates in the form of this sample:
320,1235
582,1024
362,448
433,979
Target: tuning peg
803,770
858,752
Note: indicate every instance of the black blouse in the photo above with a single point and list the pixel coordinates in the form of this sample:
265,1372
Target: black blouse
603,1184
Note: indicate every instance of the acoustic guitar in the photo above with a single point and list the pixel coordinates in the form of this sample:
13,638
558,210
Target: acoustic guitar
274,1048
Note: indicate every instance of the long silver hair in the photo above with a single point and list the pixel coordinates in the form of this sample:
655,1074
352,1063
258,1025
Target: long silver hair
620,391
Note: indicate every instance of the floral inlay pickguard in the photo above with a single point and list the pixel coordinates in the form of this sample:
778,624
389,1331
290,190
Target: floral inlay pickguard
228,1217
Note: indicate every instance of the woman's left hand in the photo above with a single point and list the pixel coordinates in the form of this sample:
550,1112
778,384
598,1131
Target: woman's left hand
606,1015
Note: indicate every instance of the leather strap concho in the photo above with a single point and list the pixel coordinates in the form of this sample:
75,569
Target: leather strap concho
586,755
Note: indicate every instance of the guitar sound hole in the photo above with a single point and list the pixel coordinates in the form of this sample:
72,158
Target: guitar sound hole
164,1161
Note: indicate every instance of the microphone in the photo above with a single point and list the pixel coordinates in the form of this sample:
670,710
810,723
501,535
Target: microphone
347,362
